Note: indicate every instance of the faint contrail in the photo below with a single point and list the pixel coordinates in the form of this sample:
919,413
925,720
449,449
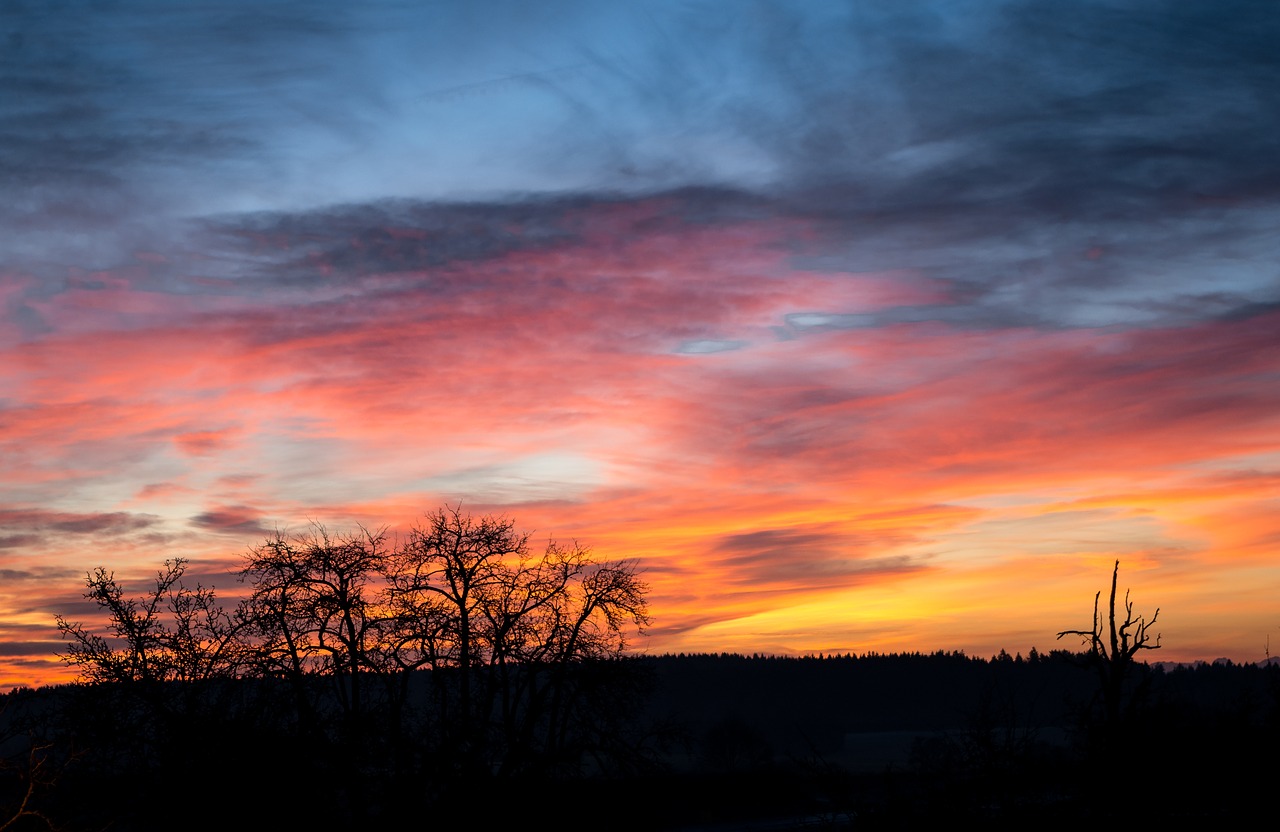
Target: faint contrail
492,84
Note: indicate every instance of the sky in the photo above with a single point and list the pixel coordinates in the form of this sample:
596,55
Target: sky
862,326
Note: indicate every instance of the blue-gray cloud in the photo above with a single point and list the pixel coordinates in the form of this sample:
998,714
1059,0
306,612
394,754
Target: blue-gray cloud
1104,164
1110,163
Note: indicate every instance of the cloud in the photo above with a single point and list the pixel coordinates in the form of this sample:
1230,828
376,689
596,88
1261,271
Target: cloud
42,649
44,521
344,243
705,346
159,491
36,574
1103,167
205,442
803,559
911,404
242,520
1104,109
104,95
1014,269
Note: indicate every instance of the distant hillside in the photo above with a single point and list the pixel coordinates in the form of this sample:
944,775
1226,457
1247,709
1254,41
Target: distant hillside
794,705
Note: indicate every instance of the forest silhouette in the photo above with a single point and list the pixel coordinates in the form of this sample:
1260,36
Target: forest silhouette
461,672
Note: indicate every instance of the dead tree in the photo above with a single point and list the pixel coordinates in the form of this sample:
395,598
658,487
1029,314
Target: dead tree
1112,651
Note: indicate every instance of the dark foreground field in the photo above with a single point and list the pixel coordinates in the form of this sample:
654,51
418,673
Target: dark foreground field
674,742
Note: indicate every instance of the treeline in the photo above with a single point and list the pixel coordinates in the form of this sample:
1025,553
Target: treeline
832,695
905,741
719,738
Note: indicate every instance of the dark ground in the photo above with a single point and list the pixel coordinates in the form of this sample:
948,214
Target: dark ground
714,742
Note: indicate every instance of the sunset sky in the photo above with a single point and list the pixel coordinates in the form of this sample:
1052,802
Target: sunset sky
864,326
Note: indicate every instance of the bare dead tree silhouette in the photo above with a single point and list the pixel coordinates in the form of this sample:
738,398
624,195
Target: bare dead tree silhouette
1114,644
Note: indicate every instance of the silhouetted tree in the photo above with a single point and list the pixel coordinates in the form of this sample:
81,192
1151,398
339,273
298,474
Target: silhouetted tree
505,630
173,633
459,651
314,611
159,670
157,657
1113,645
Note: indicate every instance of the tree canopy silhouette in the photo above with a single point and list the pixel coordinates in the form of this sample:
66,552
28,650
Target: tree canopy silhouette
459,647
467,596
172,633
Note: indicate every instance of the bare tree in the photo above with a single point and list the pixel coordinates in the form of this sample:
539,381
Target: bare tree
1113,646
34,777
444,577
516,648
28,774
478,606
160,669
314,610
172,633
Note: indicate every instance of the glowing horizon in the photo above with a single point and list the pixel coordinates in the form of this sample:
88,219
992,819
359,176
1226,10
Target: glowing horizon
838,387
